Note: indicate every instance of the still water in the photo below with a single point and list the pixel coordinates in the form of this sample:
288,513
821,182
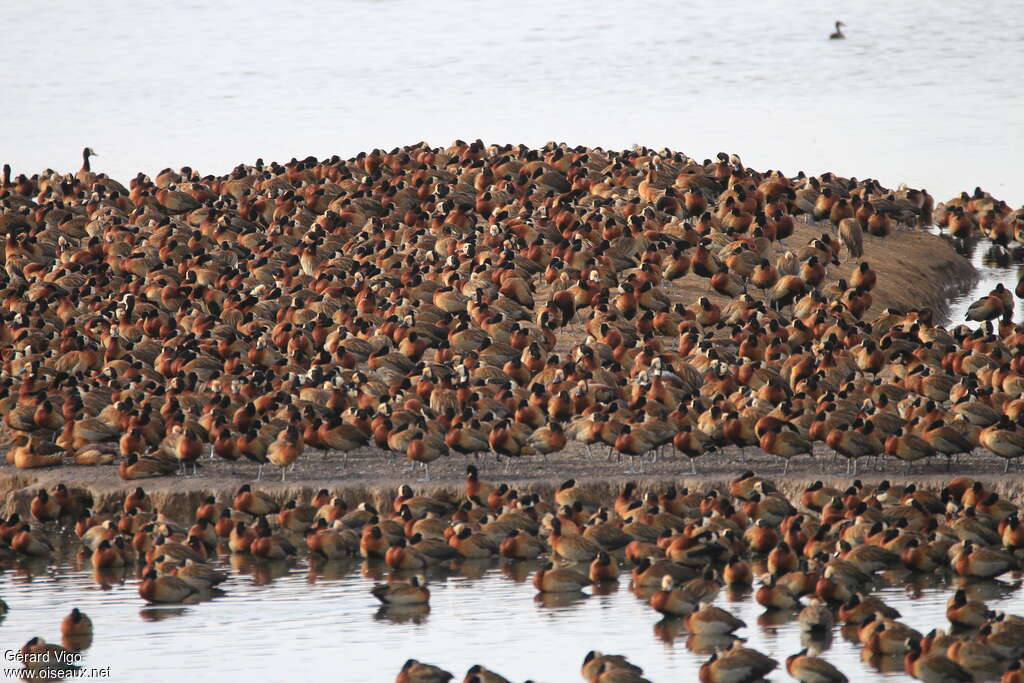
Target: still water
302,620
994,266
919,92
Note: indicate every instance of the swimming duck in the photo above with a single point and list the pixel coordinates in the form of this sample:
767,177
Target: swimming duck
399,593
551,579
414,671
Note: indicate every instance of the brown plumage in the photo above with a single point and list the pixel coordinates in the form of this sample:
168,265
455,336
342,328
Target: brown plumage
285,449
852,237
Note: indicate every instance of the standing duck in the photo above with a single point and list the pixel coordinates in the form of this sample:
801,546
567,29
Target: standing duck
286,449
85,174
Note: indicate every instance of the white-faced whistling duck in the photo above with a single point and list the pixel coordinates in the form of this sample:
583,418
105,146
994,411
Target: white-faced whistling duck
809,668
415,671
551,579
400,593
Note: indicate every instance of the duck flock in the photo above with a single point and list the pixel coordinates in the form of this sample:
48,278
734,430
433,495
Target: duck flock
479,299
819,558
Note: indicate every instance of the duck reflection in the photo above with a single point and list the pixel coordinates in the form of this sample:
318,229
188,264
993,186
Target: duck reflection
161,613
403,614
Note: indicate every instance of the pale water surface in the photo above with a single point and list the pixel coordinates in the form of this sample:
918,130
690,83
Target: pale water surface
994,265
291,622
921,92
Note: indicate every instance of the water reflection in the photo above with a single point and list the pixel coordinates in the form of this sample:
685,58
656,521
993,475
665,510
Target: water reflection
669,629
265,572
771,618
161,613
475,569
403,614
77,643
520,571
703,644
28,568
985,590
559,600
994,264
820,642
109,577
491,603
330,570
997,257
604,588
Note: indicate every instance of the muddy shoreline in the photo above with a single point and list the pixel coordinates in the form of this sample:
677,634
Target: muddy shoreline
373,476
915,269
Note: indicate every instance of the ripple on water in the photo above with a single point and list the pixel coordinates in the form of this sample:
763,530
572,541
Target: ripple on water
890,54
288,617
995,266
